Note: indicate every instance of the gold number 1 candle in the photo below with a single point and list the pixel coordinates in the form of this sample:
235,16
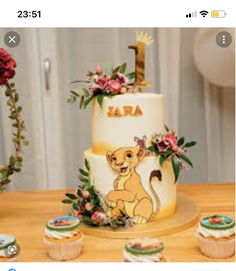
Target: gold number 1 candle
143,39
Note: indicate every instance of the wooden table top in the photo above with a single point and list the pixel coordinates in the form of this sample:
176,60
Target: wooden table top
24,214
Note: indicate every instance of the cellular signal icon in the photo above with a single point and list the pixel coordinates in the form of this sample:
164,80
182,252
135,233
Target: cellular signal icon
192,15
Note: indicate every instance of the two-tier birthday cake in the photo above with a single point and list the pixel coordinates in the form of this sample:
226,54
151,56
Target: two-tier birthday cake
133,181
135,159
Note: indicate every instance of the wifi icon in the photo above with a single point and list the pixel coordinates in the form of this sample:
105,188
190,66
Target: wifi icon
204,13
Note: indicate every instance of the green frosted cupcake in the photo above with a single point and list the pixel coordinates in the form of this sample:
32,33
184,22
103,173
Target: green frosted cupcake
144,250
216,236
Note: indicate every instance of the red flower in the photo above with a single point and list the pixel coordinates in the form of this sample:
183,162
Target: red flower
114,85
7,66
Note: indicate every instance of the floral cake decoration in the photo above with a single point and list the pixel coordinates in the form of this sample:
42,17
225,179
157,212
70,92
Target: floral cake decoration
90,206
169,147
100,84
7,72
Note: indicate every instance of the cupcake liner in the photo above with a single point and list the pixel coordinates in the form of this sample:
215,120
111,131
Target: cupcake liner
64,251
216,248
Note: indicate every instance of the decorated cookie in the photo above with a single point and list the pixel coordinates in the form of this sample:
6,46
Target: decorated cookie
216,236
63,238
144,250
9,250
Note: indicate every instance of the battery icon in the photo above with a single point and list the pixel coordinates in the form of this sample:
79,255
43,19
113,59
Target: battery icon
218,13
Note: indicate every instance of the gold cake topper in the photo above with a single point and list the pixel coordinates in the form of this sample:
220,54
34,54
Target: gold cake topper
143,39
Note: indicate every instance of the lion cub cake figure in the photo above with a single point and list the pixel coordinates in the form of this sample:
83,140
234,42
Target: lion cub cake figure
129,196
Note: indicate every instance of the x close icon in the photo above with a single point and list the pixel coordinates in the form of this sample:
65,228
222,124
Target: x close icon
12,39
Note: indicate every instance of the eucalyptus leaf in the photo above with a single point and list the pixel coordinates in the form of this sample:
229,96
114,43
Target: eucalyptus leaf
166,128
131,75
87,164
100,99
122,68
71,196
186,159
176,167
83,172
89,100
67,201
180,141
190,144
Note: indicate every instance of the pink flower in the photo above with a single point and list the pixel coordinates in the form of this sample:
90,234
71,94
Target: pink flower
98,217
166,142
89,206
99,69
114,85
122,78
170,139
102,82
85,194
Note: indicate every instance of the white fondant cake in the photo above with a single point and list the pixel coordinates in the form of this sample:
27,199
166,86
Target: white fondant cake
123,117
131,180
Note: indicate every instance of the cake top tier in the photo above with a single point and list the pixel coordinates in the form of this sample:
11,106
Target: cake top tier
122,119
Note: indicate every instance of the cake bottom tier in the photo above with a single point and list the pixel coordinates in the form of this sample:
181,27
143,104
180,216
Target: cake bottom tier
156,182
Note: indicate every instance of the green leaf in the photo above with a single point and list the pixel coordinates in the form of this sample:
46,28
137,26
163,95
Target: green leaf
71,196
83,172
180,141
166,128
87,164
81,103
152,148
162,160
86,102
190,144
75,206
131,75
83,179
67,201
122,68
176,167
186,159
100,99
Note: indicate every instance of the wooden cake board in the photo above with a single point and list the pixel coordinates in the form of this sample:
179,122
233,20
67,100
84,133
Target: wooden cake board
186,215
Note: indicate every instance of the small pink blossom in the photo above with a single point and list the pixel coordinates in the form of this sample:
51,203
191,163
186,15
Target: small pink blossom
99,69
85,194
170,139
166,142
114,85
122,78
89,206
102,82
98,217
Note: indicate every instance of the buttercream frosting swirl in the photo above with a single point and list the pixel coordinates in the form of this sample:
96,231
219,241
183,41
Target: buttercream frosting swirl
60,234
142,258
216,233
3,254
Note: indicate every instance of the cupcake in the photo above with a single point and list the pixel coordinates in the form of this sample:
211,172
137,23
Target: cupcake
9,250
216,236
63,238
144,250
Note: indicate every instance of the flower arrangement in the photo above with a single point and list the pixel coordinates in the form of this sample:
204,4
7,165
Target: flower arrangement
169,147
100,84
7,72
89,205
